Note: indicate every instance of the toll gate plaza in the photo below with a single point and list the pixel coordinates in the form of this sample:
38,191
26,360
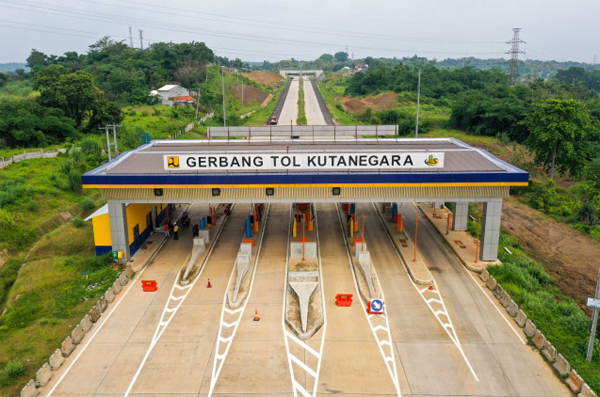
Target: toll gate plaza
316,262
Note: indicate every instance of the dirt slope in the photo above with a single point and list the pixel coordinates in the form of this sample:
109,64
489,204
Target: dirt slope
271,79
567,254
384,101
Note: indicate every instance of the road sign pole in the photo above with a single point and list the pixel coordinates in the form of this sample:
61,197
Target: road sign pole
590,349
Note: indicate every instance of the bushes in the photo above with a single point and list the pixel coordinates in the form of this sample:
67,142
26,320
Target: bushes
8,275
87,204
13,369
78,222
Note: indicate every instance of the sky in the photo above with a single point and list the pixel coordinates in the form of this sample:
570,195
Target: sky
257,30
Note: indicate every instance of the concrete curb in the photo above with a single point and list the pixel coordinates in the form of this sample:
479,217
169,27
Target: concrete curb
546,349
30,390
68,346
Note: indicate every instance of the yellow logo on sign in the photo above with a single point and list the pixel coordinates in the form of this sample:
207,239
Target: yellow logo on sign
173,162
431,161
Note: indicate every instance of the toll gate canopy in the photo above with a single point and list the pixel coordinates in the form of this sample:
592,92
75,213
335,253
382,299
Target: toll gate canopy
297,170
333,165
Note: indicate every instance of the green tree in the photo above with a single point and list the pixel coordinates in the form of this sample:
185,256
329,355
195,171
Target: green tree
341,56
76,94
37,60
557,132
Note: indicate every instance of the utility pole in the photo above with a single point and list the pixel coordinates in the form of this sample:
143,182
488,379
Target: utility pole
418,104
141,39
514,56
130,37
242,91
106,128
590,349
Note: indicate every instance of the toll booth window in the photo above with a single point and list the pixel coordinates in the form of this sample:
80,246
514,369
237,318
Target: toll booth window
136,231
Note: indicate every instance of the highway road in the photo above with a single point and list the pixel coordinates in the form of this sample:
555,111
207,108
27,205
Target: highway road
314,115
432,365
289,112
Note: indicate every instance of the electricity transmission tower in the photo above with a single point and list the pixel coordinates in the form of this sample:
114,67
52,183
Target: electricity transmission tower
514,56
141,39
130,38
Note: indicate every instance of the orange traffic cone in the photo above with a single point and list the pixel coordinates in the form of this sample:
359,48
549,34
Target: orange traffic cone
209,284
256,318
431,286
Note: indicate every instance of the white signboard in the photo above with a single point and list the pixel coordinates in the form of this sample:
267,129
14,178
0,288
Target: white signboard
304,161
593,302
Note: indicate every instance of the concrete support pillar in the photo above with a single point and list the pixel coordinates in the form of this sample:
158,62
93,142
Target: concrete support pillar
154,225
118,227
459,218
490,229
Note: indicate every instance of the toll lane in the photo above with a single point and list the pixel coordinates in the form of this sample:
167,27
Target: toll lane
505,365
109,361
187,343
261,341
352,363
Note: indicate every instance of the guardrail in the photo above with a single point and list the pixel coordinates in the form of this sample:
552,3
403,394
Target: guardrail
304,131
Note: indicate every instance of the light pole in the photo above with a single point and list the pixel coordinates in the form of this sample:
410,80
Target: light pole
418,104
223,85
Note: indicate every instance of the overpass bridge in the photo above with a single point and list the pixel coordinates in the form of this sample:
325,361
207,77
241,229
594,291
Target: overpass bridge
317,74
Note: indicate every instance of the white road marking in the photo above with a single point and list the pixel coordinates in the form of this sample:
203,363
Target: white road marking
289,337
495,307
237,313
171,311
375,320
431,297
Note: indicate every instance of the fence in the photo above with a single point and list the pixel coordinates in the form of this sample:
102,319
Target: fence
41,153
305,131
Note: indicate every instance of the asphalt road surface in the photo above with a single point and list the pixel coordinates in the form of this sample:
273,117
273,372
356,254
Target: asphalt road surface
289,112
312,109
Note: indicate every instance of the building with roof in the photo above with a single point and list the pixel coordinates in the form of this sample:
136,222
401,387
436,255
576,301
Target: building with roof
141,220
166,92
250,166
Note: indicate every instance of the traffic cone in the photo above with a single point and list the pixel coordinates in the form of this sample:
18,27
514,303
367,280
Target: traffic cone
431,286
209,285
256,318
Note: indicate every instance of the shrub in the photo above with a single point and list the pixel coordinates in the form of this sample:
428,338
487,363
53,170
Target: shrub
32,205
87,204
90,146
78,222
14,368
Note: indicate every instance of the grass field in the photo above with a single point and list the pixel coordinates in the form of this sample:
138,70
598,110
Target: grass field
17,90
330,90
43,292
301,119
